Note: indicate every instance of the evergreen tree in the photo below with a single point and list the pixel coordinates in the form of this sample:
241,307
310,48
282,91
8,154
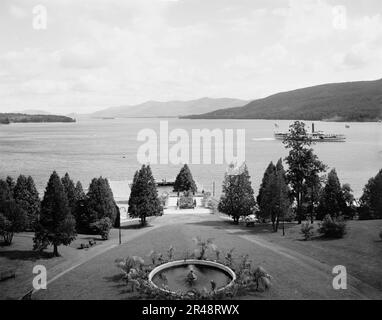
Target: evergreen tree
70,190
79,193
281,200
80,213
275,200
99,203
82,217
371,200
238,198
144,201
184,181
34,199
117,222
27,197
332,201
56,225
263,196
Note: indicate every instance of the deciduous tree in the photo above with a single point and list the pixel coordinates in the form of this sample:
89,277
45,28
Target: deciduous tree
371,200
302,164
11,183
313,183
12,220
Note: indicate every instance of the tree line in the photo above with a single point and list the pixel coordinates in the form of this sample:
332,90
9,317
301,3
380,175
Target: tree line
300,192
64,210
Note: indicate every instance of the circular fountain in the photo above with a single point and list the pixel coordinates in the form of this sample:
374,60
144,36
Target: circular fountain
191,275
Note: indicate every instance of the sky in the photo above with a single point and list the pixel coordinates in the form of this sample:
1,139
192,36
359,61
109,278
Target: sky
94,54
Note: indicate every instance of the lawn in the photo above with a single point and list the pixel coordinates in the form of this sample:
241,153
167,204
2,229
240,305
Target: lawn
360,251
21,258
300,270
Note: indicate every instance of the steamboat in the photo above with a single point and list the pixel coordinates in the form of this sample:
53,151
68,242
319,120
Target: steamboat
316,136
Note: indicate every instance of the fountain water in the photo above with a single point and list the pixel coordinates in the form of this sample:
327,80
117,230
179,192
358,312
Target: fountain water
186,275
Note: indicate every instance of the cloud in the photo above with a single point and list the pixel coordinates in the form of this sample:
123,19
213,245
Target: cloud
99,53
82,56
17,12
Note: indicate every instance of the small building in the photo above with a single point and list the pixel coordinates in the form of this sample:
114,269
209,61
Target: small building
122,188
121,191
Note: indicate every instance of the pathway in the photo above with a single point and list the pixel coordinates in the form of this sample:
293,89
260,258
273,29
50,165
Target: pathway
296,276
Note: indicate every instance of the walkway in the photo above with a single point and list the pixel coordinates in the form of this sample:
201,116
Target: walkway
295,276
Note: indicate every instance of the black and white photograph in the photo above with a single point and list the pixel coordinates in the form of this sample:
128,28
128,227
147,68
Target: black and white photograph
204,152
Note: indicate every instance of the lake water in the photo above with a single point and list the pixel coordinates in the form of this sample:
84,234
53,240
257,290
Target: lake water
91,148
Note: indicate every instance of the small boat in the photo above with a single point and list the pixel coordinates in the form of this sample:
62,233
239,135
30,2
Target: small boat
347,126
316,136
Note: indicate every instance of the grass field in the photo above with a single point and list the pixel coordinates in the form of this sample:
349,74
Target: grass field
360,250
21,258
300,269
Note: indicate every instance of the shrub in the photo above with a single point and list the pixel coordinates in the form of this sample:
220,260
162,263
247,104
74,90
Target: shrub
332,227
102,227
203,247
307,230
12,219
186,201
262,279
248,278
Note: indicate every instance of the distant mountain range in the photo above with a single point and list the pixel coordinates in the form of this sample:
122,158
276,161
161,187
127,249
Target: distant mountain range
155,109
350,101
7,118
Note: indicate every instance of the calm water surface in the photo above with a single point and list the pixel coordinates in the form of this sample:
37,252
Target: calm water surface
91,148
176,278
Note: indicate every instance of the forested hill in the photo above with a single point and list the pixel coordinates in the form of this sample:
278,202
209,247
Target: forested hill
350,101
6,118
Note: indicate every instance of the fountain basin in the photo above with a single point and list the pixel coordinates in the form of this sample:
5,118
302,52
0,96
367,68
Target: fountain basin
171,277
